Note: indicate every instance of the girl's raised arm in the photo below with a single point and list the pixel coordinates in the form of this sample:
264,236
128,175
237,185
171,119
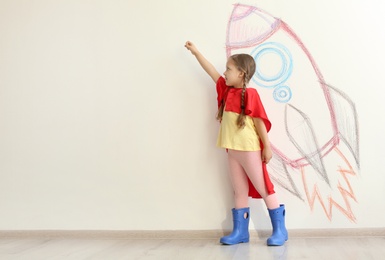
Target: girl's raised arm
206,65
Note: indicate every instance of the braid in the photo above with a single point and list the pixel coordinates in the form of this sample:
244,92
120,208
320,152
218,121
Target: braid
241,117
220,111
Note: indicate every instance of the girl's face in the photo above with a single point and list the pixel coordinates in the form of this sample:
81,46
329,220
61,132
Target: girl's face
233,76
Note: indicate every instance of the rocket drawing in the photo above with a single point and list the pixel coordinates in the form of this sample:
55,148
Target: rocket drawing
315,135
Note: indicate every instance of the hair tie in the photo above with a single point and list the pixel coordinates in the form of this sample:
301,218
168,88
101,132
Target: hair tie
242,107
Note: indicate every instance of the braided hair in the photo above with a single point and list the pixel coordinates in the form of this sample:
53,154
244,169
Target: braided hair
246,64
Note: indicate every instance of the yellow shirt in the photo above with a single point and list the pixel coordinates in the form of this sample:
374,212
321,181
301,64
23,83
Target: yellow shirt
232,137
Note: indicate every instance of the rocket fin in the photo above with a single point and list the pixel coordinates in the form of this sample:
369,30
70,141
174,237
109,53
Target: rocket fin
280,175
301,134
347,121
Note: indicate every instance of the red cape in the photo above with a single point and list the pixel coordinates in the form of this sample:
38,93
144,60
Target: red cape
253,108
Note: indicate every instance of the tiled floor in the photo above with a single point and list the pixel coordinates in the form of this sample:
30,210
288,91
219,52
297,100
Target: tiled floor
350,248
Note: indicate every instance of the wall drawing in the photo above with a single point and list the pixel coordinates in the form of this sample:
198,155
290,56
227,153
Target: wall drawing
315,134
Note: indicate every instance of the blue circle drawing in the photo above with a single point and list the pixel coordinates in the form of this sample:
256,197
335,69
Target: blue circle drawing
283,69
282,94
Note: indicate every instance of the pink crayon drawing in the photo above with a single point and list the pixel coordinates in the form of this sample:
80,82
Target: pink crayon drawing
315,134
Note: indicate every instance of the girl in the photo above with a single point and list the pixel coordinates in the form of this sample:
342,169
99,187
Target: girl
243,132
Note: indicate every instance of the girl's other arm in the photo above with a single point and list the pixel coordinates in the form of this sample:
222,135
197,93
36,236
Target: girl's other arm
262,133
206,65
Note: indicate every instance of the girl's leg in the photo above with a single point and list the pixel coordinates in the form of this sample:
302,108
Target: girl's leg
241,217
251,164
239,182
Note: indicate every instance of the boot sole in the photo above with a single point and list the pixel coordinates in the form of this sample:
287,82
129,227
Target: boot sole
228,244
276,244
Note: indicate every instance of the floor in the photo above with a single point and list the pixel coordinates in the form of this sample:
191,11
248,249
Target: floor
333,248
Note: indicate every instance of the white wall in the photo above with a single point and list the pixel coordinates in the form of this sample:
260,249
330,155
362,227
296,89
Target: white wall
107,122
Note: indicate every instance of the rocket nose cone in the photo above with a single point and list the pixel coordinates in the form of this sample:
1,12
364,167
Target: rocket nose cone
249,25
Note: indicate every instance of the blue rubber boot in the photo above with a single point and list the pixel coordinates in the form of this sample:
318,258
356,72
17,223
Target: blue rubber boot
280,234
240,232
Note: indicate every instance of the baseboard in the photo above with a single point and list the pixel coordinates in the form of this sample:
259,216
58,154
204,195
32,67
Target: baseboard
181,234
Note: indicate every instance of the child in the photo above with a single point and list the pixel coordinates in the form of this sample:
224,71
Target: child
243,132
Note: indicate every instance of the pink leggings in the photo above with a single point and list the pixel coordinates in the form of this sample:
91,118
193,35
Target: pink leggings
248,164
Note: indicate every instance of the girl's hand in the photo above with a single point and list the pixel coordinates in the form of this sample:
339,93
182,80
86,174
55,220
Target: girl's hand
191,47
266,155
206,65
